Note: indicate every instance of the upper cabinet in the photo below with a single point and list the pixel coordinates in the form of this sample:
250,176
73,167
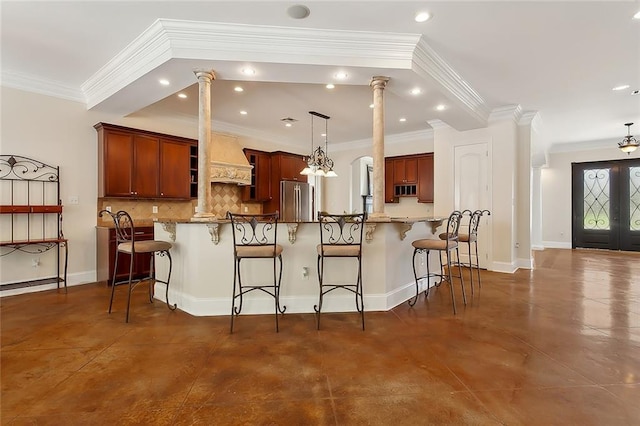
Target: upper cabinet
405,170
139,164
260,188
409,176
287,166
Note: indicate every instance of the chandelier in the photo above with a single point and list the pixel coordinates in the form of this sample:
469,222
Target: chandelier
628,143
319,163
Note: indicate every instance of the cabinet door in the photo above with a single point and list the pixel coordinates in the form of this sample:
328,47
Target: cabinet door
263,177
260,188
146,164
405,170
388,181
290,168
425,179
118,164
174,169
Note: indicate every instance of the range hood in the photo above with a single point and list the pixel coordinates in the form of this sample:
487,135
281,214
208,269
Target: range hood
227,161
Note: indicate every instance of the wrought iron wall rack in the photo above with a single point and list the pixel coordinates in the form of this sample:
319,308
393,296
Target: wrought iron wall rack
31,210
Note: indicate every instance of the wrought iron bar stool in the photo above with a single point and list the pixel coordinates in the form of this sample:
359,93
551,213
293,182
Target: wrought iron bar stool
340,237
447,245
255,237
126,244
471,238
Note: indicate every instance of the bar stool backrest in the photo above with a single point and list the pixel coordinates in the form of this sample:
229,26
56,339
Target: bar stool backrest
453,228
341,229
254,229
124,230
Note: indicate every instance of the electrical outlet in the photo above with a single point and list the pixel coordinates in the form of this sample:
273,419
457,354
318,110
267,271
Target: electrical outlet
305,272
35,262
246,209
108,208
73,199
154,209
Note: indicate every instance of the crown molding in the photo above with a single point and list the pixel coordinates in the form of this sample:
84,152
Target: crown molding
393,139
239,42
584,146
30,83
529,118
149,50
168,39
507,112
428,63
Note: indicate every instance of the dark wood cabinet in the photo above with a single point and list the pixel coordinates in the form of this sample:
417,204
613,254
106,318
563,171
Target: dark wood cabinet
409,176
140,164
405,170
389,196
106,252
174,160
260,188
425,178
284,166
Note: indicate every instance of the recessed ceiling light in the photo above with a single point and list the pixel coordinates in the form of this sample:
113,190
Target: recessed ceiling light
402,120
298,11
248,71
441,107
182,96
635,92
238,89
621,87
341,75
637,15
416,91
288,121
243,112
370,105
164,81
422,16
330,86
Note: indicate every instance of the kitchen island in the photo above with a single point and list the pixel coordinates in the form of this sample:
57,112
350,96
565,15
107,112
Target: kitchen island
202,276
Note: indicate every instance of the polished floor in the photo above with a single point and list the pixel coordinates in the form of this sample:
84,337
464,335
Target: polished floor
559,345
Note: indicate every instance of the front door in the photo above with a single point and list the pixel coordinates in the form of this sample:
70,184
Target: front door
606,205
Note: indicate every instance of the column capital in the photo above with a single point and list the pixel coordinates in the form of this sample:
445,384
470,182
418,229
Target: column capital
379,82
204,74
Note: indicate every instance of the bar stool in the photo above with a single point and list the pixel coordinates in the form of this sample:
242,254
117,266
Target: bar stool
126,244
471,238
255,237
340,237
446,245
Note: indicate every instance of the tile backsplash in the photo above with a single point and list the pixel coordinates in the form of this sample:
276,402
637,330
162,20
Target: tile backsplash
224,197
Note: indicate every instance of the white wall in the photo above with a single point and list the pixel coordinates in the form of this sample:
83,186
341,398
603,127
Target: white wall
556,189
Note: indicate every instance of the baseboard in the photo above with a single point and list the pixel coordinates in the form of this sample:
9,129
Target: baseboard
258,304
524,263
557,244
78,278
504,267
537,247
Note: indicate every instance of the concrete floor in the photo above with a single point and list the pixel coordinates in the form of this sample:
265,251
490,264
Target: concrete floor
557,345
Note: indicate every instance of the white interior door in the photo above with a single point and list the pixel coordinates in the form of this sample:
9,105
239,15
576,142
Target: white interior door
472,192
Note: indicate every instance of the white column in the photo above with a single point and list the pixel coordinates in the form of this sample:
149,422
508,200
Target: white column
204,142
378,84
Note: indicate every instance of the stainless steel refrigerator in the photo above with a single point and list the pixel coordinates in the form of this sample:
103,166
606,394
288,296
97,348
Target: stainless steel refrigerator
296,201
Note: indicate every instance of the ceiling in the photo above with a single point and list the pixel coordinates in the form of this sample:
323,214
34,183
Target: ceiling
557,59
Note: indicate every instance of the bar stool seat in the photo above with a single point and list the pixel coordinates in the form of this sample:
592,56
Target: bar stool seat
127,244
447,243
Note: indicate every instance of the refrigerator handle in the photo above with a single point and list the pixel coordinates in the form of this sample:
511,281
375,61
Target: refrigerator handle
297,202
